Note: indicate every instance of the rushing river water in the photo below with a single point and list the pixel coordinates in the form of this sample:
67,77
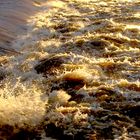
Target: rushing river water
13,17
77,74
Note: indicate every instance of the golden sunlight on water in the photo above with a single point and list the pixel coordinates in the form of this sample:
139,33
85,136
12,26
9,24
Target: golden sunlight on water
77,73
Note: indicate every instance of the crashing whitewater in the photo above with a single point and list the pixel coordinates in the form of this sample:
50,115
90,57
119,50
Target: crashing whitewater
70,69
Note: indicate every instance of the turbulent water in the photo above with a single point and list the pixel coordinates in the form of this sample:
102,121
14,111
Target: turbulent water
77,74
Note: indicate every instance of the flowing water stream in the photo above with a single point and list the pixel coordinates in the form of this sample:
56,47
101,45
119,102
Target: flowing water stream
76,71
